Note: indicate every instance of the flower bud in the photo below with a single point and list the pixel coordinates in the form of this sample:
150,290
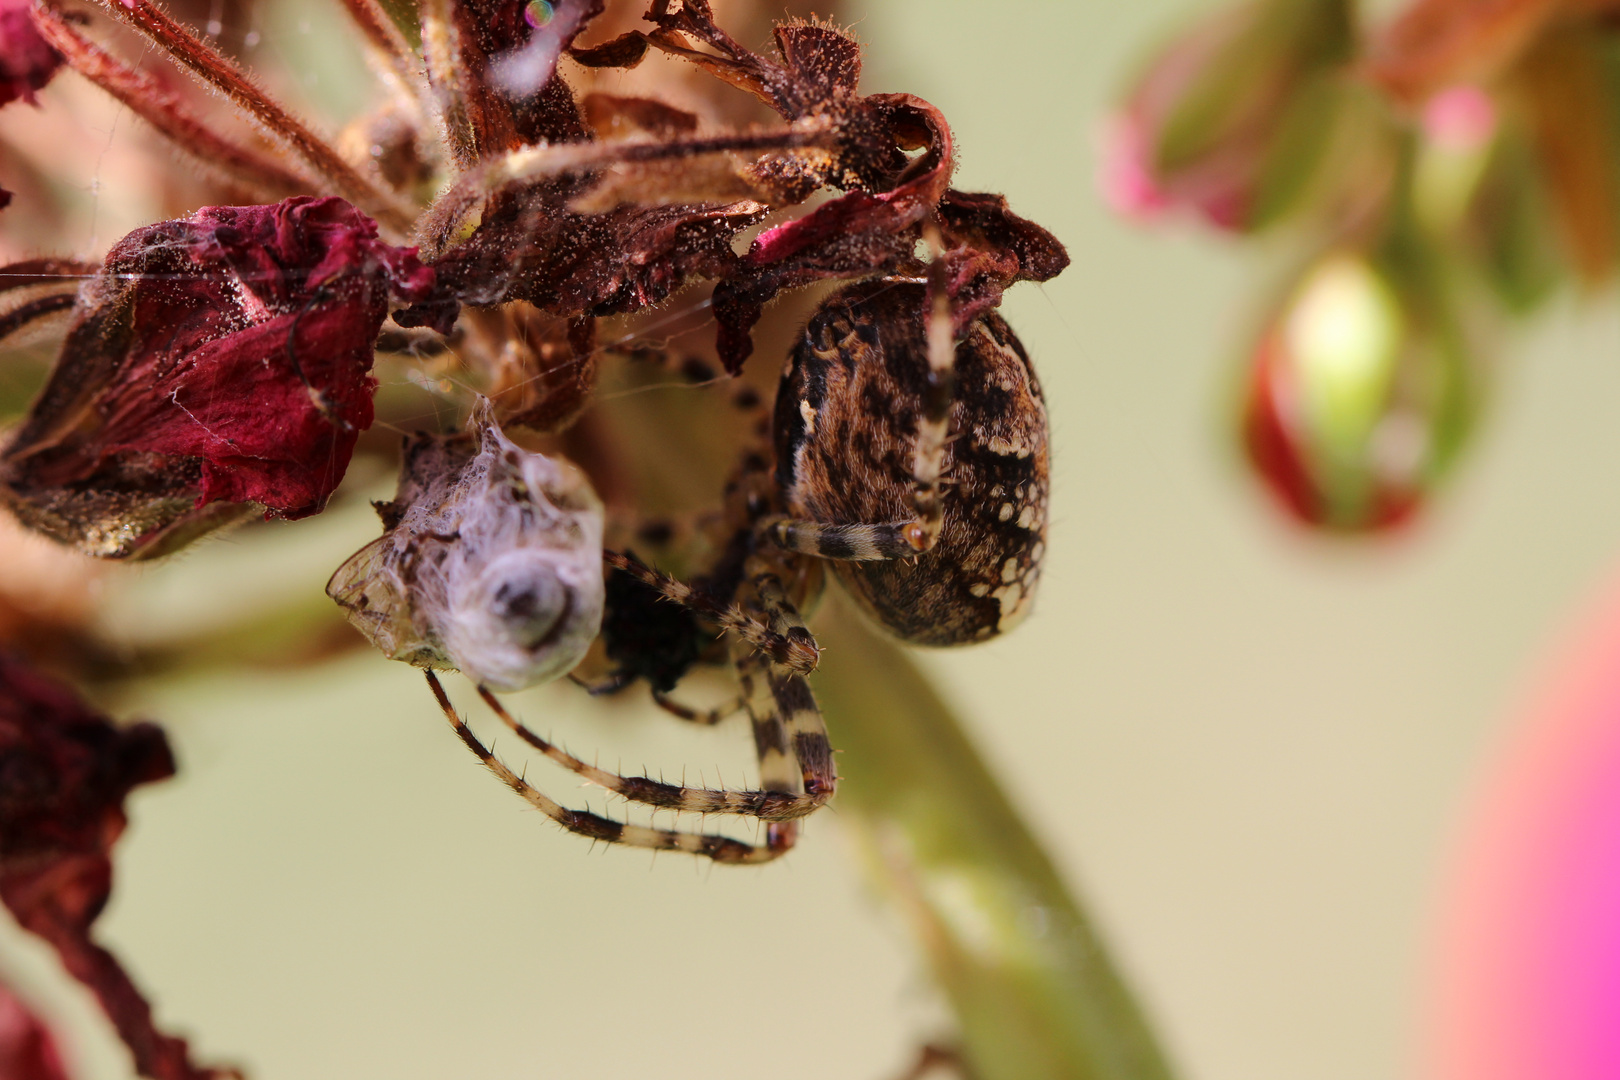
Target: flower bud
1358,395
1232,117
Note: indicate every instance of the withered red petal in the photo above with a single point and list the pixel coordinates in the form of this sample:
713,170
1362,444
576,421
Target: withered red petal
26,61
222,357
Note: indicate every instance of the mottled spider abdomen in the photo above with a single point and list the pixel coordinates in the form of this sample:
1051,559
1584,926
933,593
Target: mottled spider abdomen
848,413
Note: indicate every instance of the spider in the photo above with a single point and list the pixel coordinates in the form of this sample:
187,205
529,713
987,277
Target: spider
908,433
916,466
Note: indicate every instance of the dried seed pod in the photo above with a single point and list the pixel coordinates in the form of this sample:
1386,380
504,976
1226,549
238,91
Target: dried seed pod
491,562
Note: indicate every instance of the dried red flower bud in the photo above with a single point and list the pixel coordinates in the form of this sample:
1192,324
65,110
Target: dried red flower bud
221,358
65,771
26,61
27,1050
1360,395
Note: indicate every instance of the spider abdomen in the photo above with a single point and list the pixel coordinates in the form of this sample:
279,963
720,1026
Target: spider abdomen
848,412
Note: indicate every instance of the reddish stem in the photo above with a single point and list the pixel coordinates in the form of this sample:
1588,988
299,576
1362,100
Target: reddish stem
156,1055
158,106
219,72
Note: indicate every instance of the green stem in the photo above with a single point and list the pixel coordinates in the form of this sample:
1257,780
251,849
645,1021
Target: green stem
1035,994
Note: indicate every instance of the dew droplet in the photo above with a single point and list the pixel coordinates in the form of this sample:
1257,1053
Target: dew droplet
537,13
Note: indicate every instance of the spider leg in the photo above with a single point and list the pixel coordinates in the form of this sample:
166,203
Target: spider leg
899,539
706,717
793,648
787,696
790,737
597,689
719,848
768,805
777,771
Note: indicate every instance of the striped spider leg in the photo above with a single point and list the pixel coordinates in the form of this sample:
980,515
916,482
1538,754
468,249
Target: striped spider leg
795,758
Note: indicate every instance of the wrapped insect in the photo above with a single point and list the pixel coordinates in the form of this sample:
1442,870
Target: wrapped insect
491,562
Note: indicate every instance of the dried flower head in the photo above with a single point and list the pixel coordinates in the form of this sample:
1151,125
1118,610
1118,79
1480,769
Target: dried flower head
223,358
27,61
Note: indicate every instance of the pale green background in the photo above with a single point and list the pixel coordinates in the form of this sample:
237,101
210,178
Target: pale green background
1248,749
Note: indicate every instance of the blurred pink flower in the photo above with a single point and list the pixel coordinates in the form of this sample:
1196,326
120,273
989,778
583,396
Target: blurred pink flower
27,1050
1124,175
26,62
1528,958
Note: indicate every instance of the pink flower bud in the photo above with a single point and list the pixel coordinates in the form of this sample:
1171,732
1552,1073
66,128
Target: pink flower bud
1461,118
1229,119
1357,398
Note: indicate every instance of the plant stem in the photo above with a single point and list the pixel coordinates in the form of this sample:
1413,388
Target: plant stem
1035,994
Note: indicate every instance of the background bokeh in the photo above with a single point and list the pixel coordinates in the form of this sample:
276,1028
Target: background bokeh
1248,748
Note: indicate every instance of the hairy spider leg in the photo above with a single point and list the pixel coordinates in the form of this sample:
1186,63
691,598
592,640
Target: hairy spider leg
872,541
707,717
793,648
795,768
769,805
777,770
719,848
804,728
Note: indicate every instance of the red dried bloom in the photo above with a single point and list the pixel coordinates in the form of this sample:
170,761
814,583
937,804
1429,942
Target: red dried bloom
27,1050
221,358
64,773
26,62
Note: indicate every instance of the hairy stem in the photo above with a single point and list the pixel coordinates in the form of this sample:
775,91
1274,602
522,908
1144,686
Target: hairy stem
161,108
219,72
441,49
